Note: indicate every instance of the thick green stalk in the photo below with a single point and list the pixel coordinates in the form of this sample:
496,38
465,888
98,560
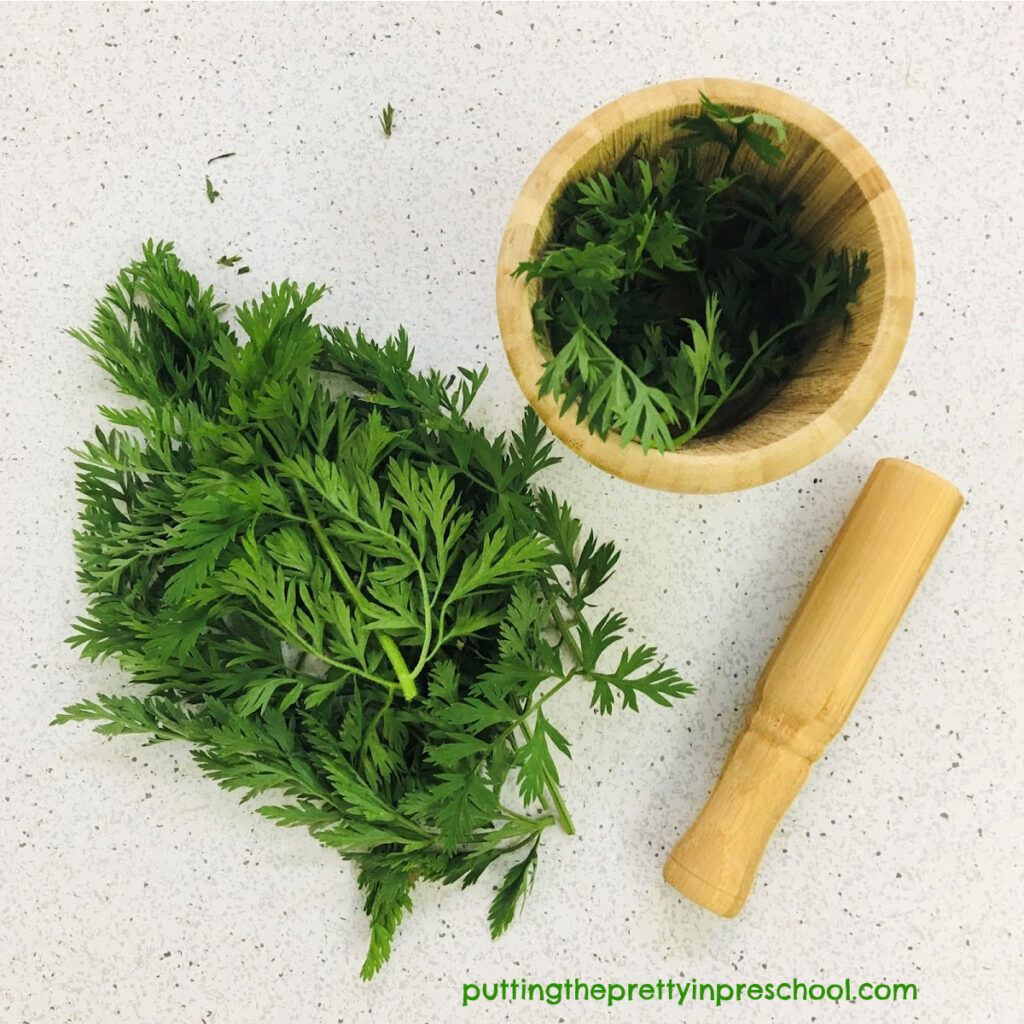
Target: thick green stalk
406,680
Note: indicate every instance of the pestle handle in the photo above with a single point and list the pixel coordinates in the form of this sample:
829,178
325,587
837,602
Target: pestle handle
814,677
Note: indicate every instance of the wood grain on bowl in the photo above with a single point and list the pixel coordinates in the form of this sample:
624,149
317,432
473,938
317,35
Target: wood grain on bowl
848,203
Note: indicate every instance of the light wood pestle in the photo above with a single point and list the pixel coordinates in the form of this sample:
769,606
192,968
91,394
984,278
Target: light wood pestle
814,677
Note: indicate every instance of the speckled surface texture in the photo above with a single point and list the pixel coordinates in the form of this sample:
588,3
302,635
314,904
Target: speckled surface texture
134,890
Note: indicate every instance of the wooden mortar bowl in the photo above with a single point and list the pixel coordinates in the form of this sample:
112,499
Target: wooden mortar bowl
847,203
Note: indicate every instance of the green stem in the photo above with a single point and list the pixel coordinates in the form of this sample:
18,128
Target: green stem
428,620
406,680
533,824
536,825
594,336
406,676
563,812
734,148
517,722
318,531
292,637
563,628
565,818
745,369
328,549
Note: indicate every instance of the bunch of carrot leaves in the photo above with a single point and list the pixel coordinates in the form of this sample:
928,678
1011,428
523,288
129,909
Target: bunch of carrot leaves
676,295
349,602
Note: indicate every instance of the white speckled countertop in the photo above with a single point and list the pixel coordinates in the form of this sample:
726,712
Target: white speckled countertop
134,890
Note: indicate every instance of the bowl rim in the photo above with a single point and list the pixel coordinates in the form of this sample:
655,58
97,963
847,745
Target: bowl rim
699,470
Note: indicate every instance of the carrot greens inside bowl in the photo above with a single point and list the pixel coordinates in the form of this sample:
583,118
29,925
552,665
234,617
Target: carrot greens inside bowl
676,295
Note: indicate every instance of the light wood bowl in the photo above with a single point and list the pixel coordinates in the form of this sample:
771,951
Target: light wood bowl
847,203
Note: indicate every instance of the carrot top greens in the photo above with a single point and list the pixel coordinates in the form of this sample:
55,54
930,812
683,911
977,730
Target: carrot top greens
352,604
675,292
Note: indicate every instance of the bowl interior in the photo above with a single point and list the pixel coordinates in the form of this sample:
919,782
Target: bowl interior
847,203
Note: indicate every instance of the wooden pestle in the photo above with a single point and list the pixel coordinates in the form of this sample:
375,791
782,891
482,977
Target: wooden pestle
814,677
